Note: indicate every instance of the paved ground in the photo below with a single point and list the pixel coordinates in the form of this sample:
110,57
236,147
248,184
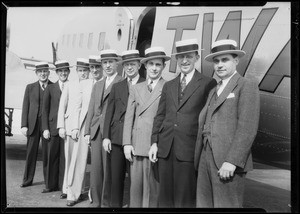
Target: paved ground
266,187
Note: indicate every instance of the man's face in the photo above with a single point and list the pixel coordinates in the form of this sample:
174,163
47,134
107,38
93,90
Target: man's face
96,71
82,72
43,74
109,66
63,74
186,61
225,65
131,68
154,68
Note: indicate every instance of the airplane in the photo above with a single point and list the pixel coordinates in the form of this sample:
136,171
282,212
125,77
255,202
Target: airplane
263,32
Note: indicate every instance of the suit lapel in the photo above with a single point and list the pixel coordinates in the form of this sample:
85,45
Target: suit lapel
175,90
156,93
107,91
124,92
192,86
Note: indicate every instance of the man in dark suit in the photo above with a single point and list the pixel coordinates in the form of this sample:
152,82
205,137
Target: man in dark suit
228,124
31,124
114,121
100,192
54,144
175,128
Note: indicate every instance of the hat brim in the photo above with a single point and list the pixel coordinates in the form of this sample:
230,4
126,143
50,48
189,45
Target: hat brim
210,57
116,58
63,67
174,54
144,60
132,59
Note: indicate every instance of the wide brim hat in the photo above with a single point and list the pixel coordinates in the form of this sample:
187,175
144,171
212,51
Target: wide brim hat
93,60
41,65
61,65
82,62
155,53
130,55
186,46
225,46
108,54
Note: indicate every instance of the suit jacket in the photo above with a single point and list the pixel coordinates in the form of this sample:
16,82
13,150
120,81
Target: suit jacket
141,110
50,108
234,124
97,107
66,108
178,121
116,109
30,106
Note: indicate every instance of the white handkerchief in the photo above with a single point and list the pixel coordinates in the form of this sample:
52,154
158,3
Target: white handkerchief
231,95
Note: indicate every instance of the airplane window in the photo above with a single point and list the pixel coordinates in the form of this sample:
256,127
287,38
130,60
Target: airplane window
81,40
101,41
74,40
90,41
119,34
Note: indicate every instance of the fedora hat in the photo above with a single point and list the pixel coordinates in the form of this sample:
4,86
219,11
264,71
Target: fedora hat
93,60
130,55
108,54
224,46
186,46
61,64
82,62
154,53
41,65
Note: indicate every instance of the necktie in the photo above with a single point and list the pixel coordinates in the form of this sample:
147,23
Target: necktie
218,87
183,83
62,86
43,86
150,86
129,82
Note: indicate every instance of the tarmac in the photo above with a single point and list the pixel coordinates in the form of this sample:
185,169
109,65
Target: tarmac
268,188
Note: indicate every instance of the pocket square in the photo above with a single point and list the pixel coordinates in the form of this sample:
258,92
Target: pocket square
231,95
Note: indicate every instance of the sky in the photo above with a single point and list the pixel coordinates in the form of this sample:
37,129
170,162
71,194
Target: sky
33,29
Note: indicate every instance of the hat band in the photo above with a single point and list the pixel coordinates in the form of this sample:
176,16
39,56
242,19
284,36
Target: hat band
82,64
42,66
222,48
130,56
62,65
93,61
158,53
186,48
109,56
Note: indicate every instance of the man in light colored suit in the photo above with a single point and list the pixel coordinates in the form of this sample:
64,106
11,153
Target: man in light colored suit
31,122
66,112
228,124
141,109
55,145
114,123
175,128
94,128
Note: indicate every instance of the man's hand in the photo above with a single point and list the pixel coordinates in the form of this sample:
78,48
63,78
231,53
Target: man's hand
88,139
74,134
128,150
153,153
24,131
226,171
106,145
62,133
46,134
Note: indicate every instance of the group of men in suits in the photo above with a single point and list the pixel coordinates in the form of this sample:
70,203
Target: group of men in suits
184,142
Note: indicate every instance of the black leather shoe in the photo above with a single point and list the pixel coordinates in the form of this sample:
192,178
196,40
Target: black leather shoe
25,185
71,203
47,190
63,196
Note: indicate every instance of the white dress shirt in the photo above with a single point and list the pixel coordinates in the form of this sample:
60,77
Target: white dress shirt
109,80
224,83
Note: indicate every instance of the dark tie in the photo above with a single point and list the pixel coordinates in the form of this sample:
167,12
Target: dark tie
129,82
183,83
150,86
43,86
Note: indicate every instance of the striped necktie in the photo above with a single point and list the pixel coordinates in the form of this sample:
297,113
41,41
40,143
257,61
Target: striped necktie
183,83
150,86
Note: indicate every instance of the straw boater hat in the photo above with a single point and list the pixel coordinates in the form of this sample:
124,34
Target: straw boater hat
41,65
61,64
186,46
108,54
225,46
130,55
93,60
81,62
154,53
